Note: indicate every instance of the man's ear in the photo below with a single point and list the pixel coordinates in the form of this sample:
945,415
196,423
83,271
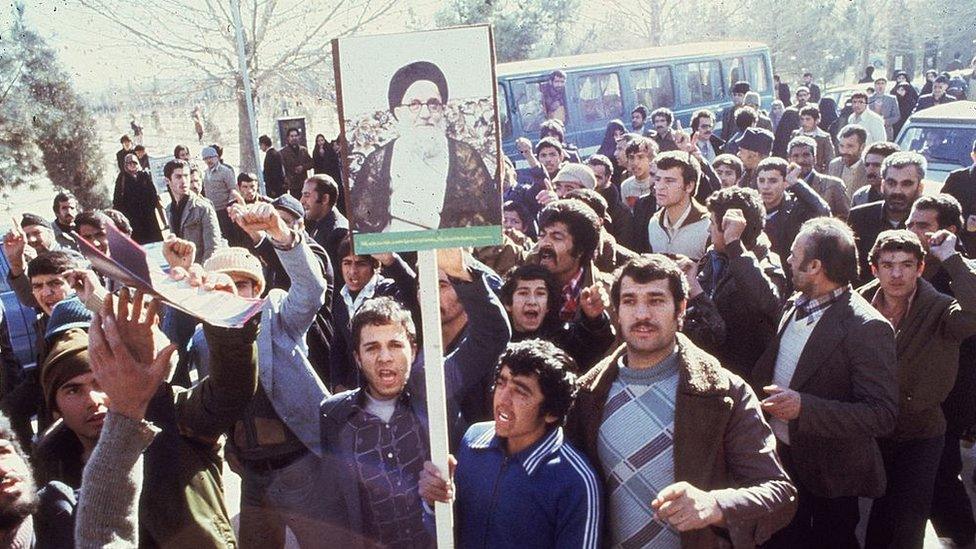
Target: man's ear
551,419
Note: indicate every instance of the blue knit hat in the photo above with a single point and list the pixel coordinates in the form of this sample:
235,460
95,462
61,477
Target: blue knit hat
208,152
67,314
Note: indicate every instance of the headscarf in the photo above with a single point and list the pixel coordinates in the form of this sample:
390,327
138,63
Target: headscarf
609,144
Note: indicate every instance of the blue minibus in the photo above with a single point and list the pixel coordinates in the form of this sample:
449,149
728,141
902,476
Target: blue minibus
604,86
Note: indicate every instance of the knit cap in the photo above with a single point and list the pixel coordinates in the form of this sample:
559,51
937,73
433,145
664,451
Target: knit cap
576,173
67,358
236,260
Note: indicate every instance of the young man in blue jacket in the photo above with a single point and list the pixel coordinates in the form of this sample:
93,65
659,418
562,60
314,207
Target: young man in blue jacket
519,483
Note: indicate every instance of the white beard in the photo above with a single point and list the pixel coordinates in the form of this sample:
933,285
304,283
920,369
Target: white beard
418,176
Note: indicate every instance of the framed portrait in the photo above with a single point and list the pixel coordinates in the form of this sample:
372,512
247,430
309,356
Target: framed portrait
419,120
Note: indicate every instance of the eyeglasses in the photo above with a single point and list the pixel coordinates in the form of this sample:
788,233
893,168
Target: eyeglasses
433,105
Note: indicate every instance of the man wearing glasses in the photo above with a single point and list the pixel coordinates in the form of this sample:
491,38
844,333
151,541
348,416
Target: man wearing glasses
392,191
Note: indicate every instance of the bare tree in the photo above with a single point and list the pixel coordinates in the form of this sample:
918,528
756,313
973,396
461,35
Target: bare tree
286,42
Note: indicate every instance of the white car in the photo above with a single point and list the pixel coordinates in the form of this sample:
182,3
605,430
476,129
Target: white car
944,135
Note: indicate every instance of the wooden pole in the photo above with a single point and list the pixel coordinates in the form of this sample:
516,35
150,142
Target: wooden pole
430,313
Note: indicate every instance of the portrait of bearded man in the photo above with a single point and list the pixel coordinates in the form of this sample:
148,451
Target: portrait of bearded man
395,189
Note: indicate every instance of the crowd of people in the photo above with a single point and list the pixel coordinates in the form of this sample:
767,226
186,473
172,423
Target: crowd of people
688,339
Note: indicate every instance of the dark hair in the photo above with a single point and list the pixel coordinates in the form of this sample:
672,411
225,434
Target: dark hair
528,221
406,75
344,249
802,141
531,271
220,150
642,144
549,142
52,263
174,165
264,140
325,186
296,130
178,149
120,220
556,73
665,112
808,74
812,111
854,129
552,366
773,163
592,199
124,138
896,241
699,114
689,165
882,148
745,199
640,109
859,95
731,161
609,143
869,70
601,160
947,208
30,219
832,242
246,176
552,128
649,267
745,118
581,221
139,148
62,196
382,311
93,218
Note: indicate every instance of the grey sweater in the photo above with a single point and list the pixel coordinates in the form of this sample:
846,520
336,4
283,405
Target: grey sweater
108,508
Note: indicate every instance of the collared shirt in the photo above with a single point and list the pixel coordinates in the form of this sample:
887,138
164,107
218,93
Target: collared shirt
367,291
813,308
546,495
570,295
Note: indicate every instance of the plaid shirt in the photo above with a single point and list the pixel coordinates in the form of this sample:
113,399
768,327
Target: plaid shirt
570,296
813,309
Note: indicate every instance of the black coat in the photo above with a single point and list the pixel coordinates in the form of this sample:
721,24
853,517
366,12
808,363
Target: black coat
961,184
868,221
800,204
749,294
135,196
274,173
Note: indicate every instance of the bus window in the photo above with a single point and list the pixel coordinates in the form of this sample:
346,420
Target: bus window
699,82
652,87
756,69
528,100
503,120
599,97
733,71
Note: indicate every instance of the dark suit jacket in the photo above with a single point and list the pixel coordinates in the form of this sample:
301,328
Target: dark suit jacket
847,379
961,184
867,221
800,204
328,232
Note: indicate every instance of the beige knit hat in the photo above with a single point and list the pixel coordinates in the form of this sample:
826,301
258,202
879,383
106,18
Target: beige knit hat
236,260
577,173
